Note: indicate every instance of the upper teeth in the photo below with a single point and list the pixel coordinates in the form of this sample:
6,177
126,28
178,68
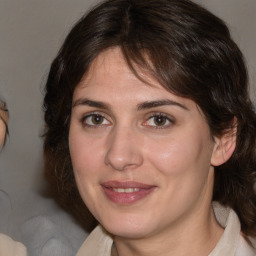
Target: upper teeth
125,190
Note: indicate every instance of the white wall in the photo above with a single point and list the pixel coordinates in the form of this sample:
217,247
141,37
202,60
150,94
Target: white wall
241,19
31,31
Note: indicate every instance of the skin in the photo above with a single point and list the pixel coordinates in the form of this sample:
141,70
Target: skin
3,123
124,142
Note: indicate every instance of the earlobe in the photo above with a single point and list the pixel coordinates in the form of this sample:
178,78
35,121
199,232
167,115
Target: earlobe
224,146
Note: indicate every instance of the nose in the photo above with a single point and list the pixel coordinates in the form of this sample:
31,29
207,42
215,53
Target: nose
124,149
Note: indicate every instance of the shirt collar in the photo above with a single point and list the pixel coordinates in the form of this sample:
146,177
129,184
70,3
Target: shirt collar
99,242
228,242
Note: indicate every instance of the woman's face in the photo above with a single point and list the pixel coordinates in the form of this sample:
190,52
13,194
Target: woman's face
142,157
3,122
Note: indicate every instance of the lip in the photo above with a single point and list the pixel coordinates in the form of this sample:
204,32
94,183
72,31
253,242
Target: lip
131,191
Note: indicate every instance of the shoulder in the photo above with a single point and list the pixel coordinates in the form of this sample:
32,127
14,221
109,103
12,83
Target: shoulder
9,247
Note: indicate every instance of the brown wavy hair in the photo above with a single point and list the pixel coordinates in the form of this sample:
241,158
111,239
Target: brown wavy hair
191,53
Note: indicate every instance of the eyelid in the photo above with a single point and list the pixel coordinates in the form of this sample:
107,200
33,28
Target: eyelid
155,114
87,115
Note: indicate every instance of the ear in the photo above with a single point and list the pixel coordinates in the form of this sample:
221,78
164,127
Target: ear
224,146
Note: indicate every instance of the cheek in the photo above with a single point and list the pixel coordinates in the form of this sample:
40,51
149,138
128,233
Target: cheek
180,155
87,167
85,154
183,167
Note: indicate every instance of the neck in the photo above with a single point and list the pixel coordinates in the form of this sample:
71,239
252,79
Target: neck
188,239
194,233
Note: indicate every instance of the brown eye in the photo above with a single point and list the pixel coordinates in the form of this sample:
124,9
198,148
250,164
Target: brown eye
160,120
95,120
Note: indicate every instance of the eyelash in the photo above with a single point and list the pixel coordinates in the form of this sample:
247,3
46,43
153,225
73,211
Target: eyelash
93,114
102,115
162,115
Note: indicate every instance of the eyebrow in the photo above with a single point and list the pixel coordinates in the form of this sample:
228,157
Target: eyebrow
91,103
141,106
159,103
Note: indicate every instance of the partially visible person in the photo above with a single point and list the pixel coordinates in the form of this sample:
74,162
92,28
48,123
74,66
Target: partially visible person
3,123
8,247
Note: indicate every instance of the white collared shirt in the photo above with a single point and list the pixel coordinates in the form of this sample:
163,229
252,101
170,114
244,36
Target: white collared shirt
231,243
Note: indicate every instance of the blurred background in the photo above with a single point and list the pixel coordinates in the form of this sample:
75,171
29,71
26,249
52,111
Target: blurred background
31,32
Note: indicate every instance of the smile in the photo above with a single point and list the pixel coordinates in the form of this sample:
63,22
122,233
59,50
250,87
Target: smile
126,192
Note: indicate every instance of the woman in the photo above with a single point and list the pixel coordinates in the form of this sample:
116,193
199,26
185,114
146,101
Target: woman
8,247
149,126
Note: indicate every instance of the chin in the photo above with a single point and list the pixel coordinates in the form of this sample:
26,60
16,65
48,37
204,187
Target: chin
128,233
127,226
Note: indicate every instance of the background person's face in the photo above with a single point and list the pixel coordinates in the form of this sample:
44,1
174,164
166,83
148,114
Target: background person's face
141,155
3,122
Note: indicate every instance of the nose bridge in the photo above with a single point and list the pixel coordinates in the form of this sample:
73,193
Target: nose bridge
124,149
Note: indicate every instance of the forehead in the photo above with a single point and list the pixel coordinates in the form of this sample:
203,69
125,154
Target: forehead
109,72
110,69
110,79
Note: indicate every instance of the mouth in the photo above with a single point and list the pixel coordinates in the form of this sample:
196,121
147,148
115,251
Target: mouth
126,192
